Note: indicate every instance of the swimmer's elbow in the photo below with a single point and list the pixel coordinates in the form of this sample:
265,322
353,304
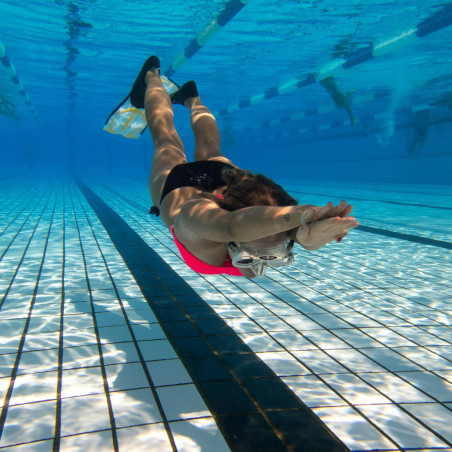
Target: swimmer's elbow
229,229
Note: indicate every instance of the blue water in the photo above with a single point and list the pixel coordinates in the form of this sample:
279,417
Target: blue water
360,331
78,59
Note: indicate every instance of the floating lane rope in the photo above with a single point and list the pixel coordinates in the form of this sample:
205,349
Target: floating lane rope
381,94
11,70
439,20
230,10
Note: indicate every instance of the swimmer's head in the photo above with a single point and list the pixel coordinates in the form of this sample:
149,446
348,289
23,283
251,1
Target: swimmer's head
245,189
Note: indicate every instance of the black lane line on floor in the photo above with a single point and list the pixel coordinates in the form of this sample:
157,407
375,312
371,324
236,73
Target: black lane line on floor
409,237
379,231
253,408
400,203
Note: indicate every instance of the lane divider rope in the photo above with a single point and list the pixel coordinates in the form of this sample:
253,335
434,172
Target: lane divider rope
218,22
11,71
437,21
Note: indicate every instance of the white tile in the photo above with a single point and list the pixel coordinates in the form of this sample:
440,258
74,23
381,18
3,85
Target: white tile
260,342
144,438
198,435
74,418
388,337
110,318
120,352
420,336
357,338
40,446
78,322
134,407
112,334
157,350
30,422
148,331
352,429
313,392
88,442
395,387
319,362
431,384
73,337
243,325
302,323
83,381
325,340
283,363
256,311
84,356
44,324
144,315
391,360
425,358
7,363
168,372
403,429
355,390
38,387
126,376
41,341
272,323
182,402
435,416
292,340
38,361
329,321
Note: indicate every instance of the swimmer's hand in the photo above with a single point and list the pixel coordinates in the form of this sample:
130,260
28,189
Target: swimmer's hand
314,213
316,234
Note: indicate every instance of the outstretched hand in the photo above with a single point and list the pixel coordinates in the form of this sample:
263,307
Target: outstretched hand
321,225
315,213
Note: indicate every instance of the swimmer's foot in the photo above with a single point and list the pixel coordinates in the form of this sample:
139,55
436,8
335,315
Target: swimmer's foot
187,90
139,86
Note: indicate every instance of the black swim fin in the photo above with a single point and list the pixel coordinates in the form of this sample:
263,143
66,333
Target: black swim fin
187,90
139,86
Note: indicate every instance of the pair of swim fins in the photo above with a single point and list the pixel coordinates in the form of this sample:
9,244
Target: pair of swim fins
128,118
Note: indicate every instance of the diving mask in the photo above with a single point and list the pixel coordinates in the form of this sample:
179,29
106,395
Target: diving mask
244,255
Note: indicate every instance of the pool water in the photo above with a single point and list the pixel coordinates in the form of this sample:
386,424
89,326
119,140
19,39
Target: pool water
109,342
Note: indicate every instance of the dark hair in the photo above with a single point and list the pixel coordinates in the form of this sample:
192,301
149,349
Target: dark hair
245,189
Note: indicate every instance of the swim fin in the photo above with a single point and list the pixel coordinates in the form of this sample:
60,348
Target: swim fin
128,118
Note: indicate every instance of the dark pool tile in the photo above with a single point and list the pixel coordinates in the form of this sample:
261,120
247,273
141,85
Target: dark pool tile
190,299
228,344
161,301
208,368
226,397
179,329
165,314
271,394
304,431
248,366
180,290
214,326
191,347
201,312
250,433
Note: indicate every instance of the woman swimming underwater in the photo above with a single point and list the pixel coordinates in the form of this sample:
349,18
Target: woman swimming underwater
223,219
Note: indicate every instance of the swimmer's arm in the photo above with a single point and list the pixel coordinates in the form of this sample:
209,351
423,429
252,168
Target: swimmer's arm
204,219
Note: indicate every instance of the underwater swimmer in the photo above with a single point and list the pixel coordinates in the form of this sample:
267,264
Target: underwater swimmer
224,220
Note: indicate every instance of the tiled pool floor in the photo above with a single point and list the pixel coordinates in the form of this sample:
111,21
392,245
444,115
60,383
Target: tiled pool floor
109,342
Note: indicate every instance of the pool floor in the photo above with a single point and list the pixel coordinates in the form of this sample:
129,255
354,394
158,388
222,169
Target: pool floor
110,343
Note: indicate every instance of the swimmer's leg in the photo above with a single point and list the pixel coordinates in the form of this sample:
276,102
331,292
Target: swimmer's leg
168,147
203,124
